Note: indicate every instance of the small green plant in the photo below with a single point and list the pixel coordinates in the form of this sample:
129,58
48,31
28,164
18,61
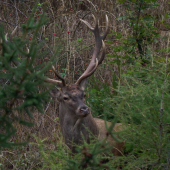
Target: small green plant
98,94
136,45
143,104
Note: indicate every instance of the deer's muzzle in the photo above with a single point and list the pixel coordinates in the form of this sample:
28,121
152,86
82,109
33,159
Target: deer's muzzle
83,111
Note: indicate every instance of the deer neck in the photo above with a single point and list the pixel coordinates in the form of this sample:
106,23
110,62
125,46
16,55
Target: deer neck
66,116
69,120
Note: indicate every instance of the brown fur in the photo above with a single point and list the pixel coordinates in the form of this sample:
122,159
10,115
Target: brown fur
71,99
117,146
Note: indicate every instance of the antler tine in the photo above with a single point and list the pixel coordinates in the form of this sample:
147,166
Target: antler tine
107,28
61,78
13,32
90,27
6,37
53,81
98,44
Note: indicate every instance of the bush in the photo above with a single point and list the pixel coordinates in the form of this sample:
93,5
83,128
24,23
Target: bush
21,80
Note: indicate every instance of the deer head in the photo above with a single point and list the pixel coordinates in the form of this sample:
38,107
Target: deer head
72,97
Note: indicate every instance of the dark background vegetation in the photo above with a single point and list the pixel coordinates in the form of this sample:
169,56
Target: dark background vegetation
131,86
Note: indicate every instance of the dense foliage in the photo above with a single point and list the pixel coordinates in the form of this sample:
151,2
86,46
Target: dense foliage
20,80
137,96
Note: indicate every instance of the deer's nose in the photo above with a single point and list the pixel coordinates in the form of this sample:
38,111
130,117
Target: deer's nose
84,110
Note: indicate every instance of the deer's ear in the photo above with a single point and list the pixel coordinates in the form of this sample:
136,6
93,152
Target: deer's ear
56,93
83,84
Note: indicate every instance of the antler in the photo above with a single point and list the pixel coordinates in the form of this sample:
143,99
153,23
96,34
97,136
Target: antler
98,43
61,78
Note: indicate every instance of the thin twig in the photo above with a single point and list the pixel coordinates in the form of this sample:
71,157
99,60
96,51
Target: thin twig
168,160
43,115
16,14
161,109
10,162
6,22
14,7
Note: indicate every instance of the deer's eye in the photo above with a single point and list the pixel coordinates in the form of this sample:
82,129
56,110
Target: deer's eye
65,98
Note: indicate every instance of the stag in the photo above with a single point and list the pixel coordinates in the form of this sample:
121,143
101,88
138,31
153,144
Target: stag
76,120
75,116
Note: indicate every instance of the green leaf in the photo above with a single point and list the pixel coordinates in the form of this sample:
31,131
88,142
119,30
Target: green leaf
80,39
122,17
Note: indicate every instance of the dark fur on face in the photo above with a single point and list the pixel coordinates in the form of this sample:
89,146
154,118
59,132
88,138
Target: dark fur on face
74,92
74,98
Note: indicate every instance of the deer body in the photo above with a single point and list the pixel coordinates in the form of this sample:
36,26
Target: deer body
117,147
76,120
86,126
